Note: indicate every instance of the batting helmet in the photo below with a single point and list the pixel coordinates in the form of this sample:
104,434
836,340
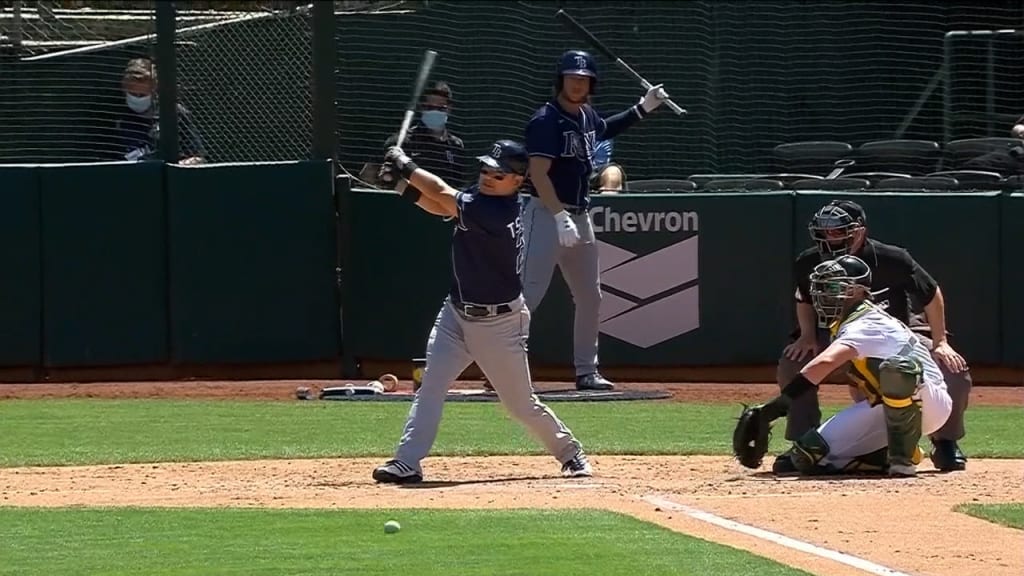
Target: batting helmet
507,156
576,63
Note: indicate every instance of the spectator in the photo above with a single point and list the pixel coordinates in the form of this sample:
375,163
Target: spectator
430,143
137,126
1008,161
607,177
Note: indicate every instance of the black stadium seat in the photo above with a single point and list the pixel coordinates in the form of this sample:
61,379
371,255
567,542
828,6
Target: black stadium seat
660,185
876,177
914,157
701,179
741,184
977,179
1012,184
959,152
789,179
811,157
842,183
918,183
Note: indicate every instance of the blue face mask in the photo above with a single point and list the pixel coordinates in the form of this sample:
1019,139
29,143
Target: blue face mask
434,119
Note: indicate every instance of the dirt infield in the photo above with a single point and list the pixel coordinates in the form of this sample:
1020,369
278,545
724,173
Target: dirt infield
285,390
907,525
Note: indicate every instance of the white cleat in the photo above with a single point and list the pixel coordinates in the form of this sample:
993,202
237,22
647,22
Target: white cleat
395,472
903,470
578,467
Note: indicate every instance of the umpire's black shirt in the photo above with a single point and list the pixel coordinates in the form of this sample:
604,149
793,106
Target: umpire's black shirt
443,155
907,285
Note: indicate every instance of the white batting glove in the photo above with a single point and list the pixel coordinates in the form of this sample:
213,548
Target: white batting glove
655,97
568,235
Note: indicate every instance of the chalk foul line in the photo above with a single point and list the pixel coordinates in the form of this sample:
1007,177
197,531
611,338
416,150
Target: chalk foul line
773,537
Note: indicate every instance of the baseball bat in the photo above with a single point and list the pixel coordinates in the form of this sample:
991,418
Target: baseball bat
421,82
600,46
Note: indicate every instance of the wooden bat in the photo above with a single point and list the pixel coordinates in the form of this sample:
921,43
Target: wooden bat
579,29
421,82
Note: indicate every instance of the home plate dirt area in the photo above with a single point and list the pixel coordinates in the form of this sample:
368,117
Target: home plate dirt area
904,526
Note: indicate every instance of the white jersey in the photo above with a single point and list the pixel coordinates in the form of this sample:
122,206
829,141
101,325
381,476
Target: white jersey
876,335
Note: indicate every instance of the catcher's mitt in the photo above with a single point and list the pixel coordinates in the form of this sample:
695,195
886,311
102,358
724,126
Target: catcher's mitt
751,436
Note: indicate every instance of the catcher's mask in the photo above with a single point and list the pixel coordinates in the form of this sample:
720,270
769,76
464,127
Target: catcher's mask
834,227
837,286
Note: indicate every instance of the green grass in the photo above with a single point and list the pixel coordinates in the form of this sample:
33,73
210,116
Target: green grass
57,432
1011,515
159,542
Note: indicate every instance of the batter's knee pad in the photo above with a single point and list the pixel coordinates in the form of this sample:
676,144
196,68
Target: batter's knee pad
808,452
898,380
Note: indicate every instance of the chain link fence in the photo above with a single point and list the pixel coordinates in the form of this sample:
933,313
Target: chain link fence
245,78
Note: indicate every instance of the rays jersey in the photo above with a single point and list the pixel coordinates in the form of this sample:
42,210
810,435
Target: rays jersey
876,335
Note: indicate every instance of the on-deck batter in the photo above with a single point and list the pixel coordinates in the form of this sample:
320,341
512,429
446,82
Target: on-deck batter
561,137
484,317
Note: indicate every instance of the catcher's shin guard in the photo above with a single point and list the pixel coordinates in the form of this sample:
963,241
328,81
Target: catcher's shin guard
899,378
808,452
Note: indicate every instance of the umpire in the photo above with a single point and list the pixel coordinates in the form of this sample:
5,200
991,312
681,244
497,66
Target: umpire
904,286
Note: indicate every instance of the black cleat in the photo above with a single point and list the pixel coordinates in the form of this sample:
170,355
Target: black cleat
947,456
593,382
783,465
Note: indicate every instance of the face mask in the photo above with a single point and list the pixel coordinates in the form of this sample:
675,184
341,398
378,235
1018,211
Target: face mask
434,119
138,104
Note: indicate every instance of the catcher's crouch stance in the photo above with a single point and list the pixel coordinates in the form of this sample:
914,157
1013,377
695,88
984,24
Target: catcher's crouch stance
905,394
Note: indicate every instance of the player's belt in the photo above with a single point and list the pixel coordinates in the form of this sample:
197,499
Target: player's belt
480,310
575,210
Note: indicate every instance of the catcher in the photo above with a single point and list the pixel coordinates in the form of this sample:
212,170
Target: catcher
905,395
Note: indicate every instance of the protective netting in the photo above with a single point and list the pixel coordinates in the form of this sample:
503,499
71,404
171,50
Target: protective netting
245,78
752,74
60,78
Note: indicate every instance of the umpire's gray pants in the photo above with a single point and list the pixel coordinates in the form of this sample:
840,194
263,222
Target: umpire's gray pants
579,266
805,412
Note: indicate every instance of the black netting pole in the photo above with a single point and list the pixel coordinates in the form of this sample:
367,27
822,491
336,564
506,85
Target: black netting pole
167,87
324,56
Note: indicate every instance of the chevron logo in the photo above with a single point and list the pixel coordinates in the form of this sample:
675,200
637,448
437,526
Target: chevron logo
648,299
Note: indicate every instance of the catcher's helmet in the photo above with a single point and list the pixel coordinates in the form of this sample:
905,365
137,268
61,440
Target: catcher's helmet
831,287
834,226
507,156
576,63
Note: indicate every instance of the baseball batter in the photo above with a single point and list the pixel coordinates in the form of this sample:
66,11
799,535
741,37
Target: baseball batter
484,317
560,138
904,390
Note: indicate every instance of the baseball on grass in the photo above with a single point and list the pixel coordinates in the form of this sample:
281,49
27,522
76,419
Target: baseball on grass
390,382
391,526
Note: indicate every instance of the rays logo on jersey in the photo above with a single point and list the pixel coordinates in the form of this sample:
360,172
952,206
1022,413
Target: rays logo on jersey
576,146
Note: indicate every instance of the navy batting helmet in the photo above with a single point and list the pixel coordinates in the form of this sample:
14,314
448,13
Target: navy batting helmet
507,156
576,63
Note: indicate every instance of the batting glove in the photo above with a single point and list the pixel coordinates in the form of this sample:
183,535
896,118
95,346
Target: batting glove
568,235
655,97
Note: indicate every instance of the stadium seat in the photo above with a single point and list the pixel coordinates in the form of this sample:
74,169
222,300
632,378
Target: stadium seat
914,157
812,157
744,185
1012,184
976,179
876,177
959,152
789,179
660,185
701,179
918,183
850,184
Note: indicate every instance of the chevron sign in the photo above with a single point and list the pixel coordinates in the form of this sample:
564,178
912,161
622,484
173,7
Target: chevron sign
649,298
